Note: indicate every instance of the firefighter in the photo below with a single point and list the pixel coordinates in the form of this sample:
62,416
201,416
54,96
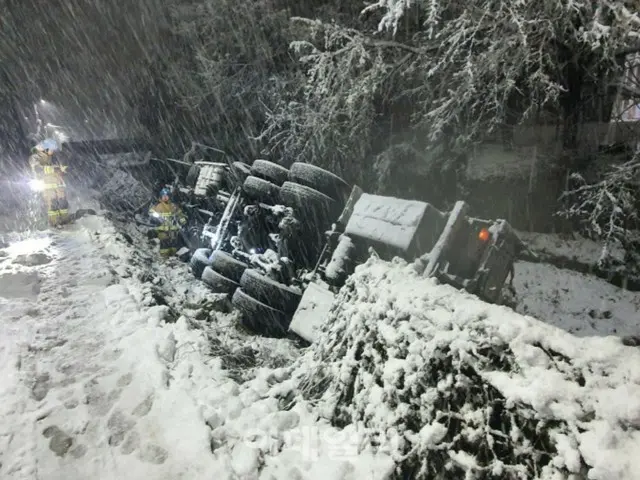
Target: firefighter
54,189
171,219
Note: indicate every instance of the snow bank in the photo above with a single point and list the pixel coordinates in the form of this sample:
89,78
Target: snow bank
254,431
452,387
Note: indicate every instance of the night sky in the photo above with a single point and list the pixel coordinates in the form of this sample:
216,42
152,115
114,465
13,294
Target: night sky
83,56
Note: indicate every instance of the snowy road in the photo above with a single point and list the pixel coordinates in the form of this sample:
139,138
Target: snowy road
85,377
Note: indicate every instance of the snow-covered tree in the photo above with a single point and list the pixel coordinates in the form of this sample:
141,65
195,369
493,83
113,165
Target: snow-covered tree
225,66
453,72
607,210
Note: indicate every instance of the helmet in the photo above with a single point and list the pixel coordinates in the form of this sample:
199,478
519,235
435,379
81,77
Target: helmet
165,192
49,145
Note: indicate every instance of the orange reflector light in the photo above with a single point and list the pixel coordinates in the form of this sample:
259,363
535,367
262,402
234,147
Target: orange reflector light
484,235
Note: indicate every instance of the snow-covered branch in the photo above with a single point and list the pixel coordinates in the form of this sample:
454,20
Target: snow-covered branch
607,210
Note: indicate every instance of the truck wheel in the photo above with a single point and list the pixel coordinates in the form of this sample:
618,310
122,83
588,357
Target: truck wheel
270,292
308,201
192,176
226,265
260,190
321,180
218,283
270,171
199,260
259,317
240,170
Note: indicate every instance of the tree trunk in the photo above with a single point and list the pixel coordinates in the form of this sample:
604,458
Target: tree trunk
571,104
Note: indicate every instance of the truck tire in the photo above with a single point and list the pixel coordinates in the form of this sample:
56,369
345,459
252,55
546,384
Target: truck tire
260,190
308,201
268,291
226,265
270,171
321,180
192,176
199,260
240,171
218,283
259,317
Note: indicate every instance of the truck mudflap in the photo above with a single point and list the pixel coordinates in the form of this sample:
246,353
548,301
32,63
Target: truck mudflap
312,312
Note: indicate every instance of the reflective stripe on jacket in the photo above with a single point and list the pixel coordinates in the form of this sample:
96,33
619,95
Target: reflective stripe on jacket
171,215
50,174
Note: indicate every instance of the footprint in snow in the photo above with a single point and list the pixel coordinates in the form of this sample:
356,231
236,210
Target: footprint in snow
144,407
151,453
59,441
78,451
71,404
131,443
41,387
119,424
97,400
125,380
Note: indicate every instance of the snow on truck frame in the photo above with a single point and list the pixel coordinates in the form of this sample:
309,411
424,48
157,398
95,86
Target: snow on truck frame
468,253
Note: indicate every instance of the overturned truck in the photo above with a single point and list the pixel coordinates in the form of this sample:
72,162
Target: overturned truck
469,253
314,229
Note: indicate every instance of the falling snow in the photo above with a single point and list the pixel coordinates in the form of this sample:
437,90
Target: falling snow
118,363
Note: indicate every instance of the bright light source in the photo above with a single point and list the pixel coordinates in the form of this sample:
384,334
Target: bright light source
36,185
42,102
484,235
29,246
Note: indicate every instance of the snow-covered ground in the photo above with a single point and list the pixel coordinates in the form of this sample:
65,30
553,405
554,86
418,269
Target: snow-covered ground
86,378
116,366
572,247
579,303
